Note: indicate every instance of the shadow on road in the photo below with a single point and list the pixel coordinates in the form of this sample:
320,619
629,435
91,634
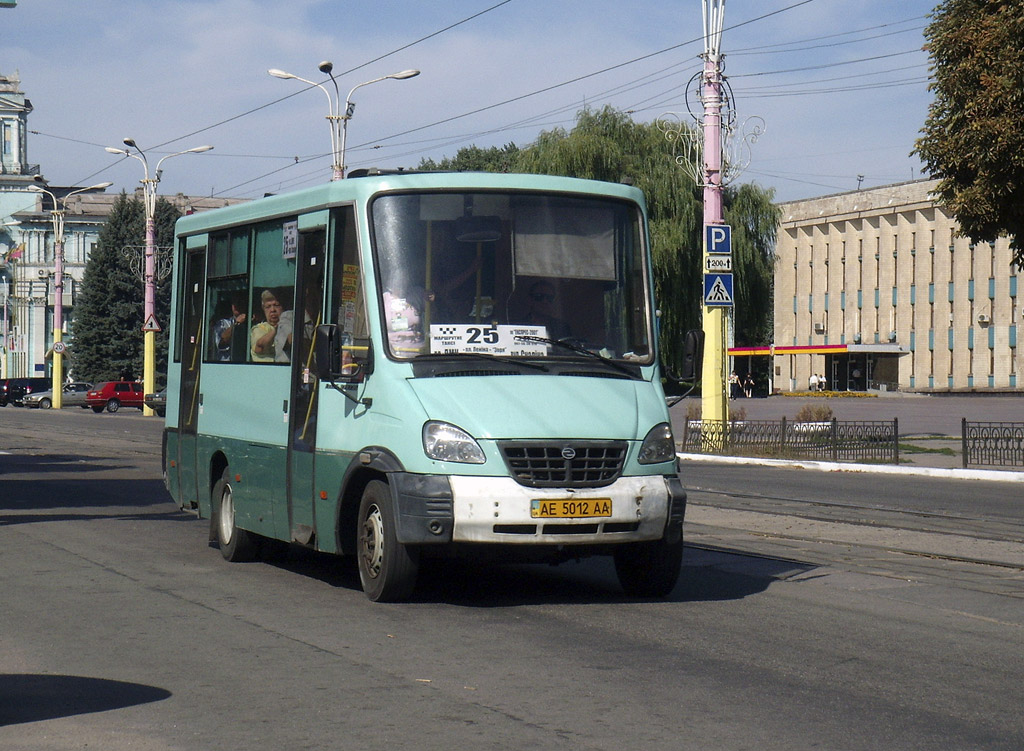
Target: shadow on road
33,697
40,493
707,575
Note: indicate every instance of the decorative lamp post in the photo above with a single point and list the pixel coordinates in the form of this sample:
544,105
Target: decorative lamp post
151,326
338,121
57,214
714,152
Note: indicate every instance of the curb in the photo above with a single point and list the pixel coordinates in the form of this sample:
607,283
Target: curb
991,475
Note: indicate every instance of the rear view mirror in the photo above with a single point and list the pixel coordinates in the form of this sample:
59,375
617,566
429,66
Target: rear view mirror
693,355
337,359
327,354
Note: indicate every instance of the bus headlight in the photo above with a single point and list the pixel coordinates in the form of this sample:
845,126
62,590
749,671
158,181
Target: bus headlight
658,445
447,443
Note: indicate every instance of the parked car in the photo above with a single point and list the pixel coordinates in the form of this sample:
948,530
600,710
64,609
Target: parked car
157,402
13,390
72,395
113,395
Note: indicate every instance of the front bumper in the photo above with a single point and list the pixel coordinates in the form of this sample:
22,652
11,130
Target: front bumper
497,510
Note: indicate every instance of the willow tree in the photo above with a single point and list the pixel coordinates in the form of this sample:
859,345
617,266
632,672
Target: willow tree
608,145
109,311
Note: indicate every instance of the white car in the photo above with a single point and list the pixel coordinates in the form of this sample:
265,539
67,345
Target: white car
73,395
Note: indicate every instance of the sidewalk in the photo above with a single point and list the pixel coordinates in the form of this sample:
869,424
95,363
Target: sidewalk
929,428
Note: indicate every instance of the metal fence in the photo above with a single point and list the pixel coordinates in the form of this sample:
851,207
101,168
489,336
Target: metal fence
993,444
831,440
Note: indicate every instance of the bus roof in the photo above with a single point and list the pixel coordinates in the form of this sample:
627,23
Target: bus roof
364,187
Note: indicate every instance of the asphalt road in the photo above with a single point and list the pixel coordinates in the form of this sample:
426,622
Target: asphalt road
802,620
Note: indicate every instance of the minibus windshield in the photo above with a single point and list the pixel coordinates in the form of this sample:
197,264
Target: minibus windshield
511,275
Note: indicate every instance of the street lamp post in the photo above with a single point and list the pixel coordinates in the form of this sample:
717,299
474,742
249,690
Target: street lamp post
57,214
151,326
337,120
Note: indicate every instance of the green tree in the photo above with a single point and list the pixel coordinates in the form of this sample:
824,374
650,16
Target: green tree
109,312
972,139
475,159
608,145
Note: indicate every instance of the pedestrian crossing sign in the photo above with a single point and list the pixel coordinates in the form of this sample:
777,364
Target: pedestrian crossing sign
718,290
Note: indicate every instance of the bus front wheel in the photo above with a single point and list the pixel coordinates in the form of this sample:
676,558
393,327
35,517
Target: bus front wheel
387,568
649,569
235,544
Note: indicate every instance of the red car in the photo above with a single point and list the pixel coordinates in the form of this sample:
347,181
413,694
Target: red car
113,395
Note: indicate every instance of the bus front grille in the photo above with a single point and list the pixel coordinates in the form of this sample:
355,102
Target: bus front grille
566,464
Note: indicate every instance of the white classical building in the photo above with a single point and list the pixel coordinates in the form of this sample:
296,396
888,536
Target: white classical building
875,289
27,243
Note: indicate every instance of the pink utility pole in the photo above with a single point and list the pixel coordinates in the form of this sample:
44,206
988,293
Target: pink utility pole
714,398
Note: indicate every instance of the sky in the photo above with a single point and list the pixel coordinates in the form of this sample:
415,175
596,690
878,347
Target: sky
841,85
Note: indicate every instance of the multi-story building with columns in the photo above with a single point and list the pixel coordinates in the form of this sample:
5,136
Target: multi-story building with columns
27,243
875,289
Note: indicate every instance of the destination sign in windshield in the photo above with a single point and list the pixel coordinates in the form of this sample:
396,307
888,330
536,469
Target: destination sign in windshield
486,339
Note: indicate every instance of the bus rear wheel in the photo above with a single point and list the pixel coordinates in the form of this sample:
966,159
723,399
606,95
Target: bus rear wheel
235,544
649,569
387,568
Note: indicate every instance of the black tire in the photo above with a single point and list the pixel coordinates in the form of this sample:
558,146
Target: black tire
113,405
97,408
45,404
236,545
387,568
649,569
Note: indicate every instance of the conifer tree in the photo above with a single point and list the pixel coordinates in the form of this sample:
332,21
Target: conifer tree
109,311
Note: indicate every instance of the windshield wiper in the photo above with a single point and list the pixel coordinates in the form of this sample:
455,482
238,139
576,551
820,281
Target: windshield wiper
573,347
484,356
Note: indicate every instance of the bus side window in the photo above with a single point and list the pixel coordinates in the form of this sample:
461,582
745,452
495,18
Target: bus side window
229,324
227,301
273,296
348,297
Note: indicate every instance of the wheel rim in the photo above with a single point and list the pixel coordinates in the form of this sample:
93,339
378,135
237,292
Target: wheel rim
226,515
45,404
372,542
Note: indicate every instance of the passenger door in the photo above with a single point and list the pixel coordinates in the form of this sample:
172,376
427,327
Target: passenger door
189,398
309,292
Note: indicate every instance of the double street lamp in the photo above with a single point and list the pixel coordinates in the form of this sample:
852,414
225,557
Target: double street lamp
57,214
149,188
337,120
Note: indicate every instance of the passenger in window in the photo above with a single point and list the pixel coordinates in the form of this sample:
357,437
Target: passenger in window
403,313
283,337
264,335
542,312
224,328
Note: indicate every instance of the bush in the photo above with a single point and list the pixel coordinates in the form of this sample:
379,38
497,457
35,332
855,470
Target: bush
814,413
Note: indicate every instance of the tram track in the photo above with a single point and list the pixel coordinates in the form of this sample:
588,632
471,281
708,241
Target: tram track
871,516
850,533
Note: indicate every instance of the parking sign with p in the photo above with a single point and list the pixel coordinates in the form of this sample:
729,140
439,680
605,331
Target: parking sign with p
718,238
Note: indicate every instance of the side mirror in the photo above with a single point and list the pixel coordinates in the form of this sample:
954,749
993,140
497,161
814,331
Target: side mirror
693,355
334,356
327,352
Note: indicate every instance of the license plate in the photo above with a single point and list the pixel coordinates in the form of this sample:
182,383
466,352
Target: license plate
570,508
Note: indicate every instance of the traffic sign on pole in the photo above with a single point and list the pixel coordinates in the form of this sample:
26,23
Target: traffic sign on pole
151,324
718,290
718,238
